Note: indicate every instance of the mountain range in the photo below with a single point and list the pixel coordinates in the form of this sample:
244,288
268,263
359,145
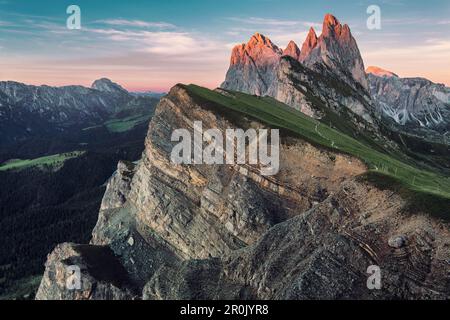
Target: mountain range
356,189
30,112
363,181
329,71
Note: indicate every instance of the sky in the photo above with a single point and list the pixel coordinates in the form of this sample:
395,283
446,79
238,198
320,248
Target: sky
149,45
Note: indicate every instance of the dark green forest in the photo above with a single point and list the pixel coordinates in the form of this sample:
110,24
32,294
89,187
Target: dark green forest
41,207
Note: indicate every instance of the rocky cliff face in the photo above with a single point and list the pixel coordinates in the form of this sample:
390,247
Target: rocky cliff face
412,104
170,231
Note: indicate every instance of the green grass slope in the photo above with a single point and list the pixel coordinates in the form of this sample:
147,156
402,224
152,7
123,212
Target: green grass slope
53,161
125,124
278,115
127,119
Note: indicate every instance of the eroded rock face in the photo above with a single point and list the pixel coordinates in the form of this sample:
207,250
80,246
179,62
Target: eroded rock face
323,253
204,210
317,93
415,105
119,186
226,231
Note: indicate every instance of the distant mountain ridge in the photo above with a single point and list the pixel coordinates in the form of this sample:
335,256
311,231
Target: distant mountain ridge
379,72
107,85
29,111
58,104
416,105
151,94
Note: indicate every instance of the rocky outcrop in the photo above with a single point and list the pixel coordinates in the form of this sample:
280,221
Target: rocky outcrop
335,48
226,231
324,253
415,105
327,75
101,275
119,186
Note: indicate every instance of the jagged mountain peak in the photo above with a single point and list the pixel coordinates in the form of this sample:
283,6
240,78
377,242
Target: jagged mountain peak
338,50
332,27
260,49
106,85
258,68
261,42
380,72
292,50
331,24
330,20
309,44
259,38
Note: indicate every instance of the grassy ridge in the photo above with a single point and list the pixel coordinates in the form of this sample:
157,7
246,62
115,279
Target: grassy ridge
53,161
122,125
279,115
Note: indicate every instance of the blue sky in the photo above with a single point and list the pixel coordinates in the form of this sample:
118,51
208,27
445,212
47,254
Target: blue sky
152,45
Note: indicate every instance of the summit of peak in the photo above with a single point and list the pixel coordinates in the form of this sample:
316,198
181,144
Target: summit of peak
309,44
380,72
292,50
312,36
330,20
259,42
106,85
332,26
259,39
259,49
312,32
259,36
